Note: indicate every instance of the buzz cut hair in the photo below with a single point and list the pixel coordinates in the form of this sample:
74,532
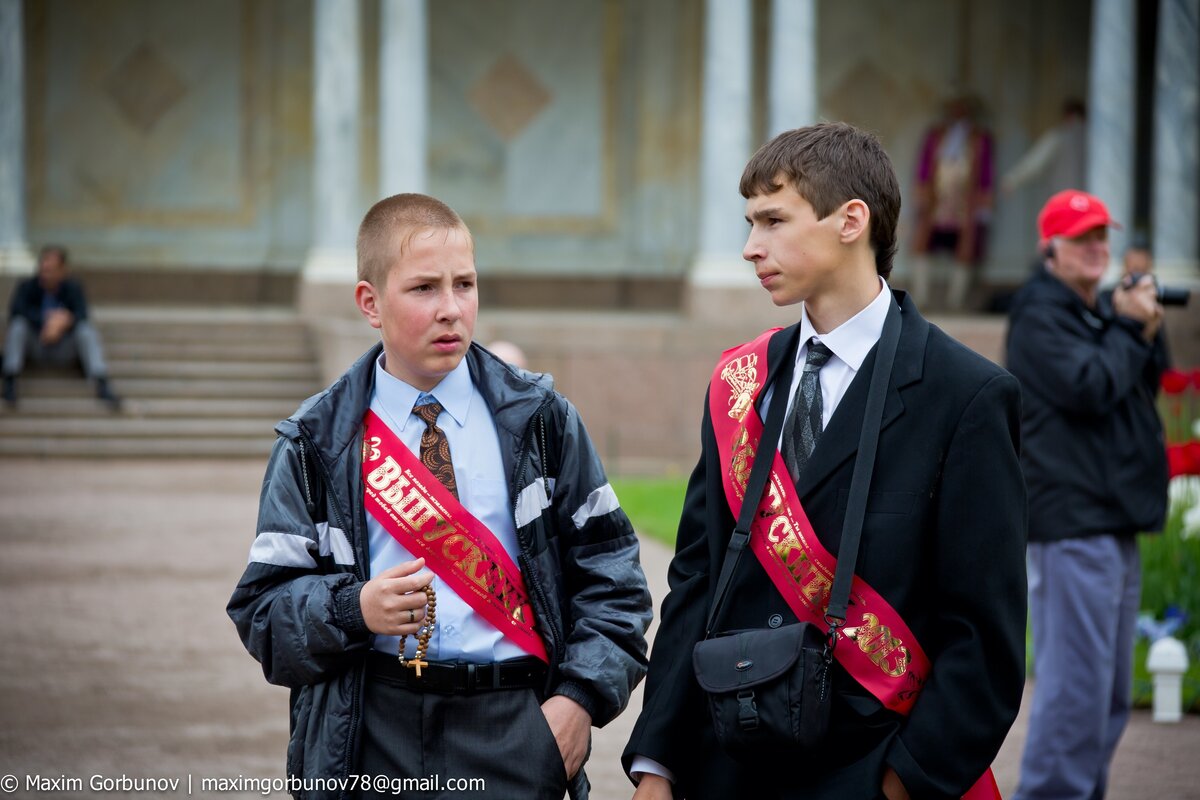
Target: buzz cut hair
829,164
389,227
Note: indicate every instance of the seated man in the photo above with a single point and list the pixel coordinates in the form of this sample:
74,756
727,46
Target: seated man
47,322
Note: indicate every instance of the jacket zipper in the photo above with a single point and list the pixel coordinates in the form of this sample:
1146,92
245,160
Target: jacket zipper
356,693
523,535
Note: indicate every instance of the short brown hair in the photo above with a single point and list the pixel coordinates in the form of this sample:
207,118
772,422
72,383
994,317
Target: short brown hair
389,227
829,164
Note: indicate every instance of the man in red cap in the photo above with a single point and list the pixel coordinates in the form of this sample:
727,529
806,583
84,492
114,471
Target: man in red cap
1097,476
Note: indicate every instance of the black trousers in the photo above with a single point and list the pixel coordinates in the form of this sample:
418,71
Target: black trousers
500,738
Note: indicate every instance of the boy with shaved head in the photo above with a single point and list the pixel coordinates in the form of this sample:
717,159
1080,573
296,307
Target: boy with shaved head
442,573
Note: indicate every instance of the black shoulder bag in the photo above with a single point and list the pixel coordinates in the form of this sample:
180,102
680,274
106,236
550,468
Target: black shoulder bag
768,689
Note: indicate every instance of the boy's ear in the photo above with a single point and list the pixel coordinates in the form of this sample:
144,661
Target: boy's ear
365,298
856,221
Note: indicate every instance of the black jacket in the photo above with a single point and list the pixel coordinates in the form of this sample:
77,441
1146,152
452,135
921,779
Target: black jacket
1094,456
944,543
28,295
296,606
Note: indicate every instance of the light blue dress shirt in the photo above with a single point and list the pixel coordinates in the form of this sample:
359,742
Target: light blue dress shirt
460,633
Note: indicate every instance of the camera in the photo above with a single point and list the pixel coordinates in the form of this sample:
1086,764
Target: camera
1167,295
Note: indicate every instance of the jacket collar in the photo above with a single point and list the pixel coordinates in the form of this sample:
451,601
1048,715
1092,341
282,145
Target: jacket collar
839,440
332,419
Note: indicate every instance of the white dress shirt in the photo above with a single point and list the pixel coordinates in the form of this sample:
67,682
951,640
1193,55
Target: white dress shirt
460,633
850,342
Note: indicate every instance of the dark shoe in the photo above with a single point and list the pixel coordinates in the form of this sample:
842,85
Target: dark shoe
105,393
10,390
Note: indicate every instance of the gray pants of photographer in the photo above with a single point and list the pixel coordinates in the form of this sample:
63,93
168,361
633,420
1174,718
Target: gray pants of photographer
1083,602
81,342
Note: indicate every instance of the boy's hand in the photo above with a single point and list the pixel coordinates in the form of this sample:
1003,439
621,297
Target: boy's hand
893,789
653,787
572,726
392,603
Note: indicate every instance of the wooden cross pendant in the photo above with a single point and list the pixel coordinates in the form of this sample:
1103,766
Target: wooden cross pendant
417,663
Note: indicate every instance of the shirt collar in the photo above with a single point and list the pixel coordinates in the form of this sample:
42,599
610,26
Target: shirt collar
397,397
854,338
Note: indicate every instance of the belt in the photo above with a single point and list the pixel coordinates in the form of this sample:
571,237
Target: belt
443,677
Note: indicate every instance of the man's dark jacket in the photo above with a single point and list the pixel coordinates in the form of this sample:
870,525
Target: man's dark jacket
1093,449
28,295
296,606
943,542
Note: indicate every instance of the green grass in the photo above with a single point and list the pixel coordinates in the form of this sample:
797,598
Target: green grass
653,505
1170,570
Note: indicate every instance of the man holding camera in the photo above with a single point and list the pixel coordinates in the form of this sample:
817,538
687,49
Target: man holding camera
1096,471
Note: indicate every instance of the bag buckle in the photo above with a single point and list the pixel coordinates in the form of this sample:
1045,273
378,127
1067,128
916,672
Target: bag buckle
747,711
831,636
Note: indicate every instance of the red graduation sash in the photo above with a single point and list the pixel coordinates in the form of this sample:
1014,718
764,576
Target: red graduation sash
882,654
420,513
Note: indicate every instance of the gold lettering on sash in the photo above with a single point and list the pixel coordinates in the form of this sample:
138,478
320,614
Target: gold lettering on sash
405,501
743,458
885,650
780,523
467,557
742,376
383,475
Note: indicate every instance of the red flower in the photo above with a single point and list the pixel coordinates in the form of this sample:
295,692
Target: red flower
1192,451
1176,464
1196,378
1176,382
1183,459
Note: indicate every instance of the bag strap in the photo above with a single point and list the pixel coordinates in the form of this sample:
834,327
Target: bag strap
860,480
864,466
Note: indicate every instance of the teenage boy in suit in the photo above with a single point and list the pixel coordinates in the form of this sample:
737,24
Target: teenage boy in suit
944,532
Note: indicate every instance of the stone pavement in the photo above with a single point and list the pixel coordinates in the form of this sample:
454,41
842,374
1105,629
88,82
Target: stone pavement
118,659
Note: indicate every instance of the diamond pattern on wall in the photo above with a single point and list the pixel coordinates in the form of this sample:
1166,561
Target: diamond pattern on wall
144,87
509,97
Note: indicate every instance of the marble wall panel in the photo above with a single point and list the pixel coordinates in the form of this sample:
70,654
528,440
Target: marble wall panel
165,134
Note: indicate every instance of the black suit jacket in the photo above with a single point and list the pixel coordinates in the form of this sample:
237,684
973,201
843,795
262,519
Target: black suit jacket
943,542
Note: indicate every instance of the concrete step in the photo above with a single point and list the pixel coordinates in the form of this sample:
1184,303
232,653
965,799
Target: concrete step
155,407
199,324
196,383
119,426
33,388
220,370
284,350
213,447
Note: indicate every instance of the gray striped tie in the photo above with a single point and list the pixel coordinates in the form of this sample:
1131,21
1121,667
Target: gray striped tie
802,427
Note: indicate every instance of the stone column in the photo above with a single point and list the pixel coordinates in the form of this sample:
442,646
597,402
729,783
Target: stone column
1176,135
792,81
15,257
403,96
1111,107
336,199
725,145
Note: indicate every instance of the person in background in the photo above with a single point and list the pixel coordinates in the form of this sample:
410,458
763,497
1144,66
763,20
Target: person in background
1096,469
48,323
954,200
1059,155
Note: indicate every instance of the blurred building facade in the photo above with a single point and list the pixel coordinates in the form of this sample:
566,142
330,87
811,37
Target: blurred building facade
224,151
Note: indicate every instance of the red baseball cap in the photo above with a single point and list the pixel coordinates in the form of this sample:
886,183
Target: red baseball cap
1071,213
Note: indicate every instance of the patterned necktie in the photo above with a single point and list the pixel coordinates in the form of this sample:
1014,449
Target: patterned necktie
435,447
802,427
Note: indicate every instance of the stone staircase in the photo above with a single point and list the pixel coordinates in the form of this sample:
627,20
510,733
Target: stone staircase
196,382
